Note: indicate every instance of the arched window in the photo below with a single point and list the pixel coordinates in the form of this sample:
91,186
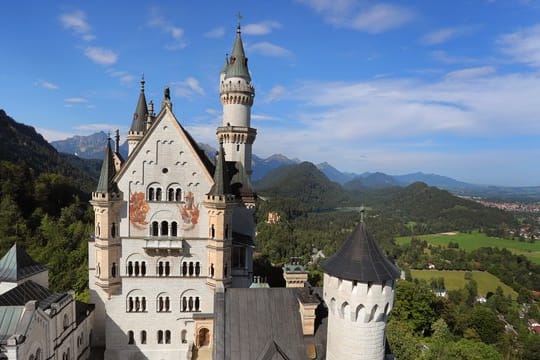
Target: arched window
160,304
113,270
155,228
373,312
137,304
197,303
131,338
167,268
184,268
160,337
130,268
164,228
66,321
174,229
151,194
167,337
212,231
184,304
211,270
184,336
38,354
143,304
158,194
167,303
197,268
130,304
113,230
143,337
98,230
190,303
136,268
160,268
170,196
191,268
143,268
227,231
178,195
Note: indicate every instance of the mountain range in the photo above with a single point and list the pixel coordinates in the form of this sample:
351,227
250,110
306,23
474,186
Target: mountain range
91,147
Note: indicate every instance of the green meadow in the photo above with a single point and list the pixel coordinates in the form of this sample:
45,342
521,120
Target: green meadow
477,240
454,280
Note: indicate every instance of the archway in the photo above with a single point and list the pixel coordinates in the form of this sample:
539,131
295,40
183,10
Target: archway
203,338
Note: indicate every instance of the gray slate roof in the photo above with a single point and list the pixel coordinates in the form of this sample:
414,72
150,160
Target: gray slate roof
237,66
28,291
361,259
221,175
105,183
141,112
263,323
17,265
9,319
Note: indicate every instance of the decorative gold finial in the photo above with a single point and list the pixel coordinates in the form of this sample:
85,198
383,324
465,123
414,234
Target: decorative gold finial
240,17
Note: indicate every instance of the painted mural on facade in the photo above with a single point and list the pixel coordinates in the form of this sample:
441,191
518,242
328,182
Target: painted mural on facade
138,208
189,212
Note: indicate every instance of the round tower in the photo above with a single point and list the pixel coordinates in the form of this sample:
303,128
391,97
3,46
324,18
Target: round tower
138,125
237,94
359,284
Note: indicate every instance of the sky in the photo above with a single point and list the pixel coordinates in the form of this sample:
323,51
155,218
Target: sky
445,87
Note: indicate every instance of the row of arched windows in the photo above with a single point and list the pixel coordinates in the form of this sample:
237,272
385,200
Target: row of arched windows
360,313
155,193
164,228
162,337
163,268
136,304
163,304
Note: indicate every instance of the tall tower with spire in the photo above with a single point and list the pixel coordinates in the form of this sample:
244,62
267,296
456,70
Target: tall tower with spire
237,94
139,123
359,284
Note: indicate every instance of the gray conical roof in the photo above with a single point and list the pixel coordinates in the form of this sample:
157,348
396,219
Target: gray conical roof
105,184
221,175
17,264
361,259
226,64
238,63
141,112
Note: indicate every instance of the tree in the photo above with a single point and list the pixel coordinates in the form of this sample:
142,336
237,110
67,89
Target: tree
415,304
486,324
404,344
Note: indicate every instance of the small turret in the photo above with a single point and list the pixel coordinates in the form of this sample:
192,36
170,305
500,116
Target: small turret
359,284
138,125
106,185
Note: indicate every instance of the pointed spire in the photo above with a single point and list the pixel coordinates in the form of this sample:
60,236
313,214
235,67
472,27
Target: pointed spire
117,141
361,259
221,175
226,65
105,184
141,112
238,64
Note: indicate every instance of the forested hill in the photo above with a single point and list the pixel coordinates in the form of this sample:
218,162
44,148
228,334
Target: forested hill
21,144
304,183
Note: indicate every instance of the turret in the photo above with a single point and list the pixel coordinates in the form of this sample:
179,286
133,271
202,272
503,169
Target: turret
138,125
105,249
359,284
220,204
237,94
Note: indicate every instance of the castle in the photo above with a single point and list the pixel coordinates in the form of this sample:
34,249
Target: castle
170,265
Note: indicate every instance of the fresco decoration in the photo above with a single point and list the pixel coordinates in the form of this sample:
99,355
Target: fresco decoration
138,208
189,212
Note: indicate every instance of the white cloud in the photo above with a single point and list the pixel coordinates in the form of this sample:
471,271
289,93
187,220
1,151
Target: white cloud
96,127
215,33
263,117
444,57
46,85
523,46
274,94
361,16
268,49
123,76
158,21
471,72
443,35
53,135
76,100
100,55
76,21
382,17
188,87
212,111
261,28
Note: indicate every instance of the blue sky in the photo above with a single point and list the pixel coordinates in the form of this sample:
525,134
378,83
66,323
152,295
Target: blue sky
448,87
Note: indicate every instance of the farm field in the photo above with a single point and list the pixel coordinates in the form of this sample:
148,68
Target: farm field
475,240
454,280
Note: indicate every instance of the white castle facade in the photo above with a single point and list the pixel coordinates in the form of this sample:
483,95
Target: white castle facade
173,230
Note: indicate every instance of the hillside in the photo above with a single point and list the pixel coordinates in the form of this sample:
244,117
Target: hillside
21,144
306,184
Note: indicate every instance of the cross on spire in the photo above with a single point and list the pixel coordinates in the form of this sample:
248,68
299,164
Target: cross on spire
240,17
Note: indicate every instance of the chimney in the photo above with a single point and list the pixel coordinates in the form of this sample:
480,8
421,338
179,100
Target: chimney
307,313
